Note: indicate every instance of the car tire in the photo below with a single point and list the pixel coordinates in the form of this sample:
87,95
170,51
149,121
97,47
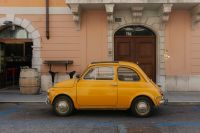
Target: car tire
142,107
63,106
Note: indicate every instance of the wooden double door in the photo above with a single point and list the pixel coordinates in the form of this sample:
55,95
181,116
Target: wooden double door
138,49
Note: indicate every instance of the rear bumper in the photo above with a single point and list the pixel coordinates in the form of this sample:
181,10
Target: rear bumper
164,101
161,100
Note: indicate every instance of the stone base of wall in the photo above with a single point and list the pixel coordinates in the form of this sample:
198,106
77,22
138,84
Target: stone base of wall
46,80
183,83
173,83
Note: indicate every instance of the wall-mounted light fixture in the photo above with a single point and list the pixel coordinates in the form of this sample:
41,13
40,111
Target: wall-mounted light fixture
9,23
166,54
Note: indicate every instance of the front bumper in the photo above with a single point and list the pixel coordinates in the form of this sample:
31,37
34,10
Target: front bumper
47,101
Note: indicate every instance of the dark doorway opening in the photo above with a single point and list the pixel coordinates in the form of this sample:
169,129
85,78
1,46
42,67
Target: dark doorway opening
15,56
15,53
137,44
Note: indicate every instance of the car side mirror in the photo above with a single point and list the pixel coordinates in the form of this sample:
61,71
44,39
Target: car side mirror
78,76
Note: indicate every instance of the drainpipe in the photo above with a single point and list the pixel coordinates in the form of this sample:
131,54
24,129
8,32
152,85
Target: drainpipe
47,19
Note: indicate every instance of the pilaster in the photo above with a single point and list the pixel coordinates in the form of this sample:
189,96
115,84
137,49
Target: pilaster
195,15
76,11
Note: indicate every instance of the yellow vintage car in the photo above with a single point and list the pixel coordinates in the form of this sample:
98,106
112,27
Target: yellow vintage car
107,85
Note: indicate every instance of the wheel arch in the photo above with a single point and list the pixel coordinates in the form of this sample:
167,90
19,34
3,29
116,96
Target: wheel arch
59,95
143,95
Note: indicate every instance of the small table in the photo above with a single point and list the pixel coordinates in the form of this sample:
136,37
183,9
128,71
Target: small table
57,62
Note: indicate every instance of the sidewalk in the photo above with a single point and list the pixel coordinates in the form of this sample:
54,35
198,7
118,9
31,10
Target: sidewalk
14,96
178,98
183,98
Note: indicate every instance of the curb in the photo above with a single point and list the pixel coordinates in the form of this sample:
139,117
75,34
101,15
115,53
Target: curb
22,102
183,103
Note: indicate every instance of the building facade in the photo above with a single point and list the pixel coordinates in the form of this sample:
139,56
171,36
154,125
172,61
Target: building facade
163,37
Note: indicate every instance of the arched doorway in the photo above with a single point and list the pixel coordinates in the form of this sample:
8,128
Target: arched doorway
16,52
136,44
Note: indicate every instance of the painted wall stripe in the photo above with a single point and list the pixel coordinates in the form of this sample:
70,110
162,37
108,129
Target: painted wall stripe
34,10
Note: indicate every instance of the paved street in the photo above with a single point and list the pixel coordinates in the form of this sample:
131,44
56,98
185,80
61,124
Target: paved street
37,117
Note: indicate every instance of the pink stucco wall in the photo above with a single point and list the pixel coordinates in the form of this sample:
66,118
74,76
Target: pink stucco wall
67,41
93,37
89,43
183,44
33,3
94,34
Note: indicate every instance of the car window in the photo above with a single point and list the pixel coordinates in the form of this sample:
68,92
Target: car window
127,74
100,73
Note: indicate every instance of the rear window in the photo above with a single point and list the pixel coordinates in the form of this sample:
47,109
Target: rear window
127,74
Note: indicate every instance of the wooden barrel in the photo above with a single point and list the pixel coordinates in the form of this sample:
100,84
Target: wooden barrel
29,81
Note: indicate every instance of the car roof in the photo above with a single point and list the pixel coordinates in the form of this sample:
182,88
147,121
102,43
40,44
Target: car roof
121,63
114,62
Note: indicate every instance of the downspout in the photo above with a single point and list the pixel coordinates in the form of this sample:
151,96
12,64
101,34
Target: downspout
47,19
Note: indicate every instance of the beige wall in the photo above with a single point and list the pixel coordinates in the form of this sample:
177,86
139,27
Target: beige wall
67,41
183,44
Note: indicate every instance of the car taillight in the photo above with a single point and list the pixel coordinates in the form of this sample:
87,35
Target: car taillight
161,92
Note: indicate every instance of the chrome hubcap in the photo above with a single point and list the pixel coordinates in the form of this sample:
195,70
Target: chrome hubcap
62,107
142,108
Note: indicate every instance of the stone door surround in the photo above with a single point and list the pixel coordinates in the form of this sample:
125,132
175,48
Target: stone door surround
34,34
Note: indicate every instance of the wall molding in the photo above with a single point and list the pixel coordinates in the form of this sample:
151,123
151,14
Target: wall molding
137,13
130,1
34,10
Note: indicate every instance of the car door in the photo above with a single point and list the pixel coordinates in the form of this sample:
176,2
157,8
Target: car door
130,82
97,88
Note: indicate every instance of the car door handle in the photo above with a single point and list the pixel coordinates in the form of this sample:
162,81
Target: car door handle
114,84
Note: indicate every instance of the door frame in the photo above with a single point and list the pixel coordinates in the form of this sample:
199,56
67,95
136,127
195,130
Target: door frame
157,26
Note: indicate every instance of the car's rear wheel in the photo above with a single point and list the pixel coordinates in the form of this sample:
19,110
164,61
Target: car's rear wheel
63,106
142,107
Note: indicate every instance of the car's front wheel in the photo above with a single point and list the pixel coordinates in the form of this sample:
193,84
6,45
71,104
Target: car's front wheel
142,107
63,106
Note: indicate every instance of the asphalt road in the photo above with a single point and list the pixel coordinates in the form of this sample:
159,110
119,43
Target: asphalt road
38,118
